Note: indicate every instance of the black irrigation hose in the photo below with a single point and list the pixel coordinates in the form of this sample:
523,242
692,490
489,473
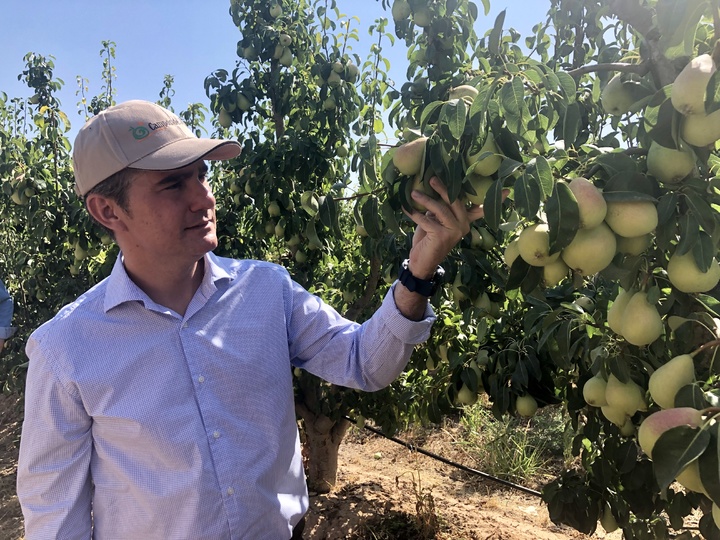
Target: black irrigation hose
414,448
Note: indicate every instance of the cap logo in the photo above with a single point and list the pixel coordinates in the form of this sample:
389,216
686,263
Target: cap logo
140,132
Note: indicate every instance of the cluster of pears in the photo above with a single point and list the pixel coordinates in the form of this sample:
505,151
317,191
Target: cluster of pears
634,318
606,228
618,401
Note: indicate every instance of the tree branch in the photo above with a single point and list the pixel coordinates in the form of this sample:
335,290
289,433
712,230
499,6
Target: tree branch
640,69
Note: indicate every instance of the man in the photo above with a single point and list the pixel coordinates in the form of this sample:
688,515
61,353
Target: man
6,312
159,404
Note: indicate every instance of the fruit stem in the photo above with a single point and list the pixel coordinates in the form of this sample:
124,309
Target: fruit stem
713,343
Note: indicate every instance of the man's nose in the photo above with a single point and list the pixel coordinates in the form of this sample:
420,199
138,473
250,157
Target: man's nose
202,196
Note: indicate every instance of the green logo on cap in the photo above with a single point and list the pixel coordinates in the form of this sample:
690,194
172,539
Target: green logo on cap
139,132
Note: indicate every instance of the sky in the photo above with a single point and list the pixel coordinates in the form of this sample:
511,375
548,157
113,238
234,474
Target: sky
187,39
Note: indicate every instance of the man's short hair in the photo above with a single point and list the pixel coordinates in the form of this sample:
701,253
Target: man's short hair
116,187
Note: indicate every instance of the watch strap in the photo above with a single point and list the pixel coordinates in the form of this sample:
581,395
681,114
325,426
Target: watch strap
424,287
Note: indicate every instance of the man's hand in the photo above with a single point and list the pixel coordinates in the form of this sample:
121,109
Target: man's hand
438,231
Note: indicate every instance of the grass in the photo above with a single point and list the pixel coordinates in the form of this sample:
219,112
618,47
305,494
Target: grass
518,450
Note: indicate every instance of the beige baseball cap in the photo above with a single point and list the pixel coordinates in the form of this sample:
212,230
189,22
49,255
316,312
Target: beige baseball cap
139,135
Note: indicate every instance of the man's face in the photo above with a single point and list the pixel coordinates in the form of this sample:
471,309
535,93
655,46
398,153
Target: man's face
170,216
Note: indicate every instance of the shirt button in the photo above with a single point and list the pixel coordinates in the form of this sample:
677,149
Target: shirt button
216,434
201,379
230,491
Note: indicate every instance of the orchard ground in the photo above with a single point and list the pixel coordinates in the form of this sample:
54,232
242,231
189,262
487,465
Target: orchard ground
378,486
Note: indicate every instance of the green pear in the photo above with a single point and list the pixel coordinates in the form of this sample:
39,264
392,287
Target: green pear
614,415
487,165
616,98
334,79
689,478
689,87
466,396
481,185
591,251
512,252
286,58
464,92
526,405
685,276
631,218
422,17
408,158
594,391
458,294
400,10
628,428
554,273
669,165
701,129
224,118
534,245
607,520
627,397
635,245
669,378
418,184
591,204
617,308
659,422
716,514
641,323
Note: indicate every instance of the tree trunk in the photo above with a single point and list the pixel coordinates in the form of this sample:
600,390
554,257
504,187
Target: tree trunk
321,443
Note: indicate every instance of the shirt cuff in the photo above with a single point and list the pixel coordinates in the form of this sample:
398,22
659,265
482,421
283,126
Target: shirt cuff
404,329
7,332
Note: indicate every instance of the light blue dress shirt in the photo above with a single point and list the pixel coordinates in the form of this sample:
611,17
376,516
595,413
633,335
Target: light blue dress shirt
183,427
6,312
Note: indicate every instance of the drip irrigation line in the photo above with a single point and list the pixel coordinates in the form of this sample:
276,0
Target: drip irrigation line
414,448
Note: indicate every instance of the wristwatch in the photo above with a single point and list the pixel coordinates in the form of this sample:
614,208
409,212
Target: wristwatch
425,287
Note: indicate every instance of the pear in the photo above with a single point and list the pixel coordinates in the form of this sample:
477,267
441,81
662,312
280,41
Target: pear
616,98
224,118
669,378
628,428
526,405
608,521
400,10
534,245
594,391
659,422
631,218
554,273
408,158
614,415
669,165
462,92
627,397
591,204
466,396
701,129
635,245
716,514
487,165
688,89
481,185
419,185
685,276
689,478
458,294
615,313
591,250
641,323
422,17
512,252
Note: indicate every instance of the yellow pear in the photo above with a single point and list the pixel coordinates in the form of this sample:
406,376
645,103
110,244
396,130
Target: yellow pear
659,422
462,92
634,245
616,98
591,250
458,294
627,397
669,378
685,276
487,165
512,252
701,129
594,391
641,323
481,185
534,245
554,273
617,309
408,157
628,428
591,204
631,218
669,165
689,478
688,89
466,396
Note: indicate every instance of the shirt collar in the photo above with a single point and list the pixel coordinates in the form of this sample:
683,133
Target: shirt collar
121,288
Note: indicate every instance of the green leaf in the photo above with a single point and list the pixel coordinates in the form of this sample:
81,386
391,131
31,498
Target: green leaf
689,229
527,196
329,215
712,94
677,22
543,172
390,218
658,117
704,251
571,124
675,449
702,211
428,113
512,103
493,205
568,85
496,34
454,115
518,272
563,217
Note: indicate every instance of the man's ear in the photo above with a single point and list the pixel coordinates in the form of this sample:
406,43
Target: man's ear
106,212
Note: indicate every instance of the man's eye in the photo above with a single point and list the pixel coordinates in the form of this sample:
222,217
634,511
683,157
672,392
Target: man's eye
175,185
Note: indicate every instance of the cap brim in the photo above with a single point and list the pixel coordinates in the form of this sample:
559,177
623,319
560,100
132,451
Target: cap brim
185,151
